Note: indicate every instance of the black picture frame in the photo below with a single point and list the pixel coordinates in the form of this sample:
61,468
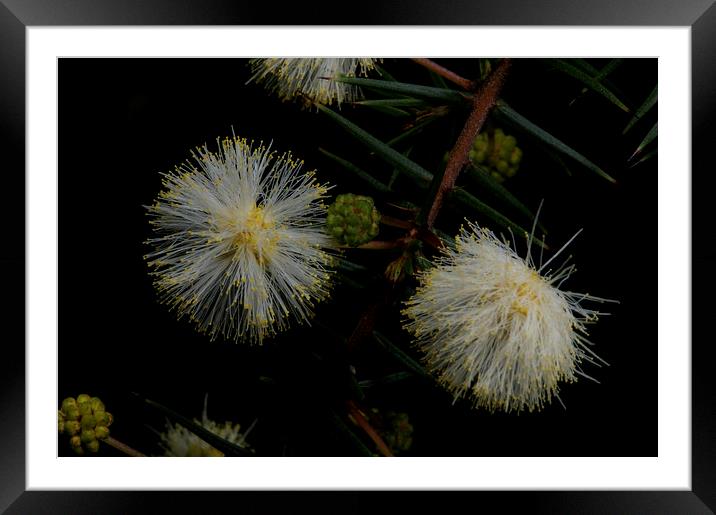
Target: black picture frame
17,15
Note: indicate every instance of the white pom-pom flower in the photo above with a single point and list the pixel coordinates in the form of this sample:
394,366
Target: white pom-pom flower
241,247
497,329
178,441
311,77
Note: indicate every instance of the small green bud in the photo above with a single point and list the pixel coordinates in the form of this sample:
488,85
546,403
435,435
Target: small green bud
97,405
72,427
509,144
83,397
76,441
85,408
88,422
68,403
480,156
101,432
497,176
92,446
72,414
87,436
60,422
516,156
108,418
502,166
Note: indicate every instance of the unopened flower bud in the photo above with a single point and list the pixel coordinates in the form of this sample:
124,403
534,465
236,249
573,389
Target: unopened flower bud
87,435
60,422
72,413
353,219
76,441
101,432
68,403
97,405
85,408
83,397
92,446
88,422
72,427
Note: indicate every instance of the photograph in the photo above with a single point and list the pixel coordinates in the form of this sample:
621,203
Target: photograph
358,256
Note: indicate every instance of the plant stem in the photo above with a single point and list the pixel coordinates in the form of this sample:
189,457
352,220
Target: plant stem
445,73
126,449
484,100
363,423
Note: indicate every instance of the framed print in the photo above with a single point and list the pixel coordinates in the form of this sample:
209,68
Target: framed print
356,273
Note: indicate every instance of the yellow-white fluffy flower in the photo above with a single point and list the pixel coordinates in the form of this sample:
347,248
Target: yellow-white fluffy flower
311,77
241,245
178,441
496,328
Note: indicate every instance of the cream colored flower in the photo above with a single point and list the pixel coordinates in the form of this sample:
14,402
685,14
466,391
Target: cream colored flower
497,329
241,245
290,78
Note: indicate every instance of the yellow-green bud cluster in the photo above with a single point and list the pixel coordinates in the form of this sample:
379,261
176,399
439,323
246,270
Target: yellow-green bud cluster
497,152
353,219
399,433
85,420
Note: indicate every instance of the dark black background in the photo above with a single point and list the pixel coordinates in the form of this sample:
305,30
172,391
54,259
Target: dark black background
122,121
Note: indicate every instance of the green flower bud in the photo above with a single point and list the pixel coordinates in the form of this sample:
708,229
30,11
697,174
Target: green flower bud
516,156
97,405
480,156
68,403
108,418
79,450
87,435
88,422
101,432
83,397
72,427
72,414
85,408
60,422
353,219
76,441
92,446
502,166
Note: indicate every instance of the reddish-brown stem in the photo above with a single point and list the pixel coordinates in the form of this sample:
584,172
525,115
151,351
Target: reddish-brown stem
126,449
395,222
363,423
445,73
483,101
379,245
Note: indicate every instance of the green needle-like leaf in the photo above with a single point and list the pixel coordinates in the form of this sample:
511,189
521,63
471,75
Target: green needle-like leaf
404,88
349,435
589,81
647,139
464,198
399,354
643,109
382,150
482,177
365,176
520,121
390,111
645,157
228,448
393,102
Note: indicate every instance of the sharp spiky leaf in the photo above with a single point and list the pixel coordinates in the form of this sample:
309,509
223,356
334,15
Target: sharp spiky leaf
404,88
382,150
643,109
464,198
520,121
399,354
650,136
589,81
365,176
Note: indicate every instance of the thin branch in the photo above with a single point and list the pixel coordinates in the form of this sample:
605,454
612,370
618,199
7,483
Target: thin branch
380,245
445,73
483,101
363,423
126,449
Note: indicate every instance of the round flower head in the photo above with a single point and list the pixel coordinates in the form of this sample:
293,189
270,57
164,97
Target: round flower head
178,441
311,77
240,246
497,329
